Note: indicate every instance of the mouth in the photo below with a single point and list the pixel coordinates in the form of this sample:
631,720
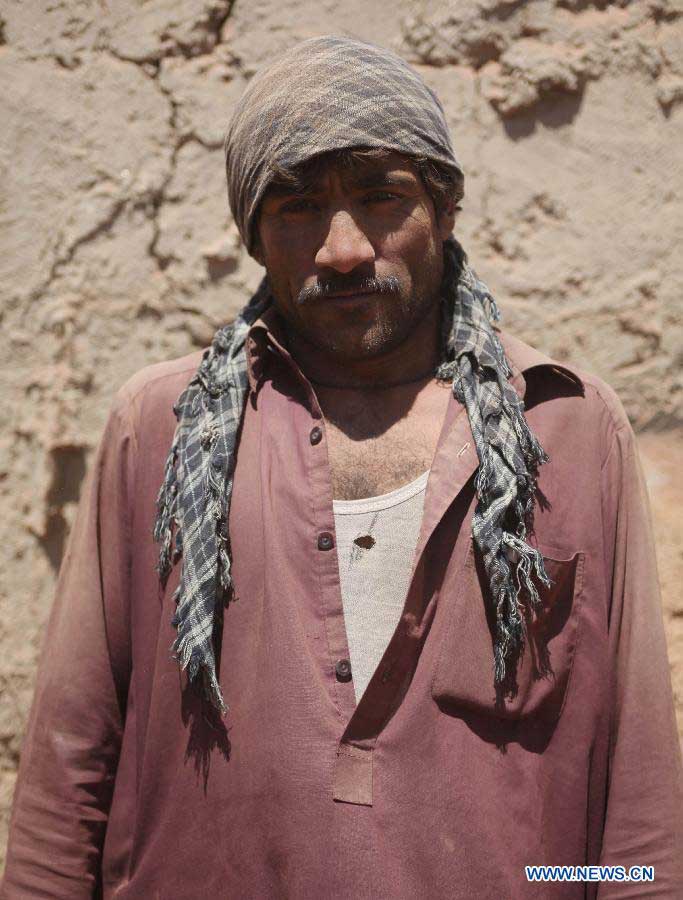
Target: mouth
356,291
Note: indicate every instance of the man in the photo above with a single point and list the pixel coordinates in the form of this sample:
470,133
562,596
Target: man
406,565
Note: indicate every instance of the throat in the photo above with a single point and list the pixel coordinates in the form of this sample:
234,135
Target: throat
378,442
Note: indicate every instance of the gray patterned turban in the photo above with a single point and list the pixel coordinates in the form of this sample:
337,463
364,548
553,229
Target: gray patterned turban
327,94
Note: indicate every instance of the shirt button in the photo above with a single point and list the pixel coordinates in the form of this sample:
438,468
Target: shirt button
343,670
316,435
325,541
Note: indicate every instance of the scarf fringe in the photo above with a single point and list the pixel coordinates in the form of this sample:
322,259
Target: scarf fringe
190,660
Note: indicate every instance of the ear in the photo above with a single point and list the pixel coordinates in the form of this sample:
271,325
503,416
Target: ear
446,219
257,250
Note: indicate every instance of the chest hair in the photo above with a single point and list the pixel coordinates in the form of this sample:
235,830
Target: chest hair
369,454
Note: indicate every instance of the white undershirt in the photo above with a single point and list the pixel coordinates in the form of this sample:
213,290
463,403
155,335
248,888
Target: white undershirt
375,578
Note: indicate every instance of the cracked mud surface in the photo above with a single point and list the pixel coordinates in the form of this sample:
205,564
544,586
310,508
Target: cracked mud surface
118,248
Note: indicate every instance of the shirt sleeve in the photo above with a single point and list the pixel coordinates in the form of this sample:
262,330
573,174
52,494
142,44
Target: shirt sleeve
643,823
71,746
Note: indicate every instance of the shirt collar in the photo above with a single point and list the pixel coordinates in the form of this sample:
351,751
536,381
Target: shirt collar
523,358
267,335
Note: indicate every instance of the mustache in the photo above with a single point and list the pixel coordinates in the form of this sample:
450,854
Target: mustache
371,284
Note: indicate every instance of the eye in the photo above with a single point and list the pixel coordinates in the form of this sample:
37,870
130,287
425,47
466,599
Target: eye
380,197
299,205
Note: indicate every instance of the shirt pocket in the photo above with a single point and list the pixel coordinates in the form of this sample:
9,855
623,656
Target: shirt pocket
463,682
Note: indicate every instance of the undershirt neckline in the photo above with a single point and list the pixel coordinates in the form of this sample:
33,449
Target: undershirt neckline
381,501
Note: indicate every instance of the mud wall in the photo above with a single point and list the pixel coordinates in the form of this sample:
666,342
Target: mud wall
118,249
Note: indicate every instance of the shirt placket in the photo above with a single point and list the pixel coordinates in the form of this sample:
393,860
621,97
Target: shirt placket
454,462
322,539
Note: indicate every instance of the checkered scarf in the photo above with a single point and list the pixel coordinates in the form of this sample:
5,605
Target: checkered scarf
330,93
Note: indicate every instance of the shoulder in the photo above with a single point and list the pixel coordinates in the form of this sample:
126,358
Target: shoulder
160,378
145,400
595,405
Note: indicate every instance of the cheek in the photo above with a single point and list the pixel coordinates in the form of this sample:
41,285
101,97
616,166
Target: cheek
289,259
412,250
413,236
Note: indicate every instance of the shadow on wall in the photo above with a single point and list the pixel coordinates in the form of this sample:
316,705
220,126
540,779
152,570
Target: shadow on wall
553,111
68,468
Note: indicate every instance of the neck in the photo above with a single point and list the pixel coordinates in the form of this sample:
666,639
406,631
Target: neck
412,361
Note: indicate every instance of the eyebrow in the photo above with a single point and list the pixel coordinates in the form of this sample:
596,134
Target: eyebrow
367,179
293,188
383,179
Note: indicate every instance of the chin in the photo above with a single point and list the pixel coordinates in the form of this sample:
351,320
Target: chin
364,347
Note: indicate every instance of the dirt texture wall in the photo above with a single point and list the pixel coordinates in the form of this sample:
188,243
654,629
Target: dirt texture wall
117,249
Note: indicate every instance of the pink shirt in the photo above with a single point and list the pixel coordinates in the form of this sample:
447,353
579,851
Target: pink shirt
425,788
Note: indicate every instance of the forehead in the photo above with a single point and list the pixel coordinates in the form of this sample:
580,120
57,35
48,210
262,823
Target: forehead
354,169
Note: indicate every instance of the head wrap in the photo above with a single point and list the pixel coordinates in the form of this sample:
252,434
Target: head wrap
328,93
325,94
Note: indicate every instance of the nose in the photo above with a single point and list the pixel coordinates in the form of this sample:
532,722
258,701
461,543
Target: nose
346,246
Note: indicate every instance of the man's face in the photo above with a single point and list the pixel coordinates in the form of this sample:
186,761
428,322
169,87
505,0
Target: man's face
354,254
